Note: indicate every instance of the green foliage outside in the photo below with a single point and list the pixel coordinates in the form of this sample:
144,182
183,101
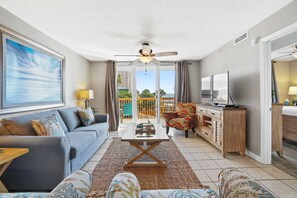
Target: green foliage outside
124,94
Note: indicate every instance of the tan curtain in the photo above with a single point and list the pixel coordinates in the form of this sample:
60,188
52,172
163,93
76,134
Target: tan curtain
111,103
182,82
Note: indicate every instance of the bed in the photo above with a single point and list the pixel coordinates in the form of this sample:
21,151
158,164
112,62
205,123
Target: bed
290,122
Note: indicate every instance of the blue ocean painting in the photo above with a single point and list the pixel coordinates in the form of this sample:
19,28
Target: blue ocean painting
32,77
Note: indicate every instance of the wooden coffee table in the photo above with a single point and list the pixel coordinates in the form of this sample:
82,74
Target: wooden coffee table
145,145
6,157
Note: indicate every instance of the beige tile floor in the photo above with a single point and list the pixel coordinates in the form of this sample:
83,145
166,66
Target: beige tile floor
207,162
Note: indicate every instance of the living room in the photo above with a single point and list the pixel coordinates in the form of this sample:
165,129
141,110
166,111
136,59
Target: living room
203,36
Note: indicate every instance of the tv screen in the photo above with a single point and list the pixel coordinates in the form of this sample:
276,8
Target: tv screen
206,91
221,88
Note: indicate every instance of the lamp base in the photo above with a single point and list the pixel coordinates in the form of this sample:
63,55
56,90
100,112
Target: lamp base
87,103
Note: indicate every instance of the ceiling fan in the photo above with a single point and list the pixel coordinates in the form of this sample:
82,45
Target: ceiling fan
146,55
292,53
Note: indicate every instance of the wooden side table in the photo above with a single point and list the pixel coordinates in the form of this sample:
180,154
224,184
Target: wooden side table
6,157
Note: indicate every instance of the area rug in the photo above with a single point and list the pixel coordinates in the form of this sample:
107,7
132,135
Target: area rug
177,175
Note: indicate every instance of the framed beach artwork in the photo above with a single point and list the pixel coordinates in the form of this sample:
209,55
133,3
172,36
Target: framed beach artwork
32,75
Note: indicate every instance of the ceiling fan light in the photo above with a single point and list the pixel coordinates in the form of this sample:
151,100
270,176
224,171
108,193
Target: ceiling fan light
146,59
146,49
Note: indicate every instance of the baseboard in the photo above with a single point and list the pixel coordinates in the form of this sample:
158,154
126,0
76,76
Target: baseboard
254,156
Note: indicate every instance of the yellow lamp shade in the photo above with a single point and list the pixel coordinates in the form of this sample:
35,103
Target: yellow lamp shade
293,90
86,94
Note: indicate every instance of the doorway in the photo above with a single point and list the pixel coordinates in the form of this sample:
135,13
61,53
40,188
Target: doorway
284,78
266,88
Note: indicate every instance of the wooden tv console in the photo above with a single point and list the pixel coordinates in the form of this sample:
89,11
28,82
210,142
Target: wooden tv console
225,128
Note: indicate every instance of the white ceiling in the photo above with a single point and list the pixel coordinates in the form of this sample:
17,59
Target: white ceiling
99,29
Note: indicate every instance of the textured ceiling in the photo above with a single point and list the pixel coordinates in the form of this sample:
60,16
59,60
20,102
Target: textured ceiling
99,29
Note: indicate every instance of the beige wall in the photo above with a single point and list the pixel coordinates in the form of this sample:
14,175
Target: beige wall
286,76
243,62
195,80
282,75
77,68
293,75
97,81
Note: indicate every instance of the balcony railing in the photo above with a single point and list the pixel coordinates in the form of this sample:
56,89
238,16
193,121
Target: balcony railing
146,107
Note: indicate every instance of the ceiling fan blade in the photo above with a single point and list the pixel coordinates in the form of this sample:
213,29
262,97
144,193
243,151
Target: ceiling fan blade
286,52
128,55
134,62
164,54
155,61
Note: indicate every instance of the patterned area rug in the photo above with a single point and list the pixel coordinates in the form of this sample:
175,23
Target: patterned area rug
177,175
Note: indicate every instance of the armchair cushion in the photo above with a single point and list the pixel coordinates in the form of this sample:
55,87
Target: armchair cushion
184,118
169,115
235,183
184,109
76,185
124,185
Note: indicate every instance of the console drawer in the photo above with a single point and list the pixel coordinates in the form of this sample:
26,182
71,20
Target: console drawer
214,113
201,110
206,132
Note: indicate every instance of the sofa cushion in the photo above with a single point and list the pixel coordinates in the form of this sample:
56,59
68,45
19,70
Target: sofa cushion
70,117
86,116
21,125
79,142
99,128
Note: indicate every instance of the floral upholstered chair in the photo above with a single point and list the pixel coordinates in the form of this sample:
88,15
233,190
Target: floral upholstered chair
183,118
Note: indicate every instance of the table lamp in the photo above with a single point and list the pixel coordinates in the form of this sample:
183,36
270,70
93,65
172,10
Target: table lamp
86,94
293,91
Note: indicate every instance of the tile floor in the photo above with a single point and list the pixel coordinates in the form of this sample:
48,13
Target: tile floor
207,162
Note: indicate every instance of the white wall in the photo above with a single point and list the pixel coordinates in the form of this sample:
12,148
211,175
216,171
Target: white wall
97,81
77,67
243,62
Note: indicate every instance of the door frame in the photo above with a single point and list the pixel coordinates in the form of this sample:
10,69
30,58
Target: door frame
265,91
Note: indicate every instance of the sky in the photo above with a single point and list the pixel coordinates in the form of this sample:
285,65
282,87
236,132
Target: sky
148,81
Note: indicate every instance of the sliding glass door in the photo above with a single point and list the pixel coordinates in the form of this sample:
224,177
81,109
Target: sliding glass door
145,92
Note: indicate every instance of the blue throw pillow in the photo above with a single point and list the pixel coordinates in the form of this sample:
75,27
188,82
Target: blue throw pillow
86,116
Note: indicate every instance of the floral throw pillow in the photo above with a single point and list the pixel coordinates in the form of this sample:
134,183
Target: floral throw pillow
48,126
86,116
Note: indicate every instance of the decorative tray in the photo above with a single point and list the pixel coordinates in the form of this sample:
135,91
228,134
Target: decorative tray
145,128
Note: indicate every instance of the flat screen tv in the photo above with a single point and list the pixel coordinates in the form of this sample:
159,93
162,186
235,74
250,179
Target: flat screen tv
220,91
206,89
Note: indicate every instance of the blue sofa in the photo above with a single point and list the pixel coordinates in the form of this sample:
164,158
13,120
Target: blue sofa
50,159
